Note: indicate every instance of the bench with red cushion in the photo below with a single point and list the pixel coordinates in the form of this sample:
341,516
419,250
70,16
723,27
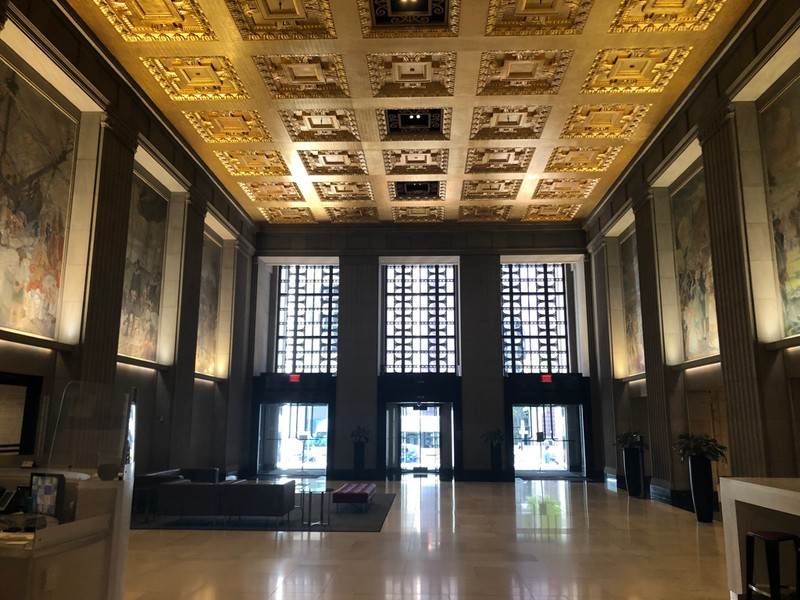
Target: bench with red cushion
354,493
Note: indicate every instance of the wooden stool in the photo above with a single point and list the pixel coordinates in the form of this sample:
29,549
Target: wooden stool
772,540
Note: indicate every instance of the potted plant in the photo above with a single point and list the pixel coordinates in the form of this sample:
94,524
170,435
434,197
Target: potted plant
495,439
700,449
360,436
633,447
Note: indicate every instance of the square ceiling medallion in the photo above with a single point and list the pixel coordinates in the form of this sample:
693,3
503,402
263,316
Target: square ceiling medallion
344,191
537,17
282,19
409,18
508,122
416,190
418,214
354,215
484,189
604,120
272,191
412,74
333,162
484,214
543,213
229,127
664,15
253,162
157,20
415,162
565,159
321,125
498,160
408,124
286,215
303,75
564,189
514,73
196,77
634,69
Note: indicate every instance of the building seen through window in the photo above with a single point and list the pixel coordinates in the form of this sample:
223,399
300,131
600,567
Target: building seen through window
534,313
420,313
308,319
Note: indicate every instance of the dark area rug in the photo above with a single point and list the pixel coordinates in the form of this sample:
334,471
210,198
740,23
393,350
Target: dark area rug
347,518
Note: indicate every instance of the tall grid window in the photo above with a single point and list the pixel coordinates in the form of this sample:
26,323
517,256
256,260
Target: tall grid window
535,338
308,319
420,318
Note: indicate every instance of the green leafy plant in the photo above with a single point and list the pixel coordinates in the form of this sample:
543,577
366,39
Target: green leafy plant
494,437
360,434
631,439
699,444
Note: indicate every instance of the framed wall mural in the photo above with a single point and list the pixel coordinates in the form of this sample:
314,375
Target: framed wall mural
208,318
695,278
37,141
632,305
780,141
144,262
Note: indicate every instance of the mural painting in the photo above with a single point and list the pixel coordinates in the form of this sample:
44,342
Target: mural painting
144,261
780,140
693,269
632,305
36,169
208,319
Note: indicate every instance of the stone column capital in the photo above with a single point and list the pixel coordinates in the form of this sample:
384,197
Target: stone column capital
121,129
714,122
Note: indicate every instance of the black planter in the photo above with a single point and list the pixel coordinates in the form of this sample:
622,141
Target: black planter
359,454
496,457
702,483
633,460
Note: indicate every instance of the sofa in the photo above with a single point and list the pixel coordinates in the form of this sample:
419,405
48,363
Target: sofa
227,498
146,486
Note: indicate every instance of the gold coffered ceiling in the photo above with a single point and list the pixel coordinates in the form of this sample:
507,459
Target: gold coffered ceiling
413,111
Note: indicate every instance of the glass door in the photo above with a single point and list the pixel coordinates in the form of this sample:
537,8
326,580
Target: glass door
420,438
547,438
293,437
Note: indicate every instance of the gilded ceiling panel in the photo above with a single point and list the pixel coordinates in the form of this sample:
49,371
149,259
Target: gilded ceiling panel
565,159
634,69
508,122
534,17
418,214
604,120
229,127
272,191
303,75
344,191
484,189
287,215
415,162
333,162
498,160
159,21
529,72
551,212
253,162
664,15
412,74
483,214
196,77
321,125
564,189
355,214
286,20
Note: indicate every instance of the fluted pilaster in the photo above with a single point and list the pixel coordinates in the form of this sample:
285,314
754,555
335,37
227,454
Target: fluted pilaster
737,333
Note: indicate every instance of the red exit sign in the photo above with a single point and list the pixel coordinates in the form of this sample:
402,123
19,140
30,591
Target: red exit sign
547,378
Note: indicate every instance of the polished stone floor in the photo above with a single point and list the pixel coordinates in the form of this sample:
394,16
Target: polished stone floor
446,541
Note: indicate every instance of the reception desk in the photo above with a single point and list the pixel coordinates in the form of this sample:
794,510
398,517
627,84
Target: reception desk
755,503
